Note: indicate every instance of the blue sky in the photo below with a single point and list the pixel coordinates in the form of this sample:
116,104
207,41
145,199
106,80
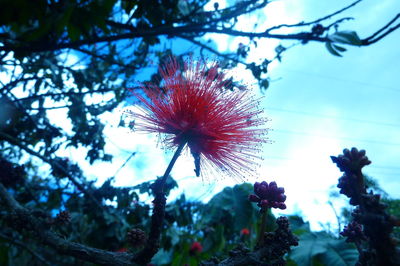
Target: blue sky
318,104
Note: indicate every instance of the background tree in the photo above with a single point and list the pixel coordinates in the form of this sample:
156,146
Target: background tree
63,55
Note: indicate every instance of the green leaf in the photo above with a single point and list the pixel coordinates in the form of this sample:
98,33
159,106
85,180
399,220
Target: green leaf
339,48
3,253
346,37
310,245
73,32
331,49
233,201
321,249
339,253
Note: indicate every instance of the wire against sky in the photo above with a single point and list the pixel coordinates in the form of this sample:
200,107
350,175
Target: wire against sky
333,117
308,134
323,76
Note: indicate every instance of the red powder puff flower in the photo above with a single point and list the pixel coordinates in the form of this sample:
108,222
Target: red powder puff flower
195,248
245,231
220,127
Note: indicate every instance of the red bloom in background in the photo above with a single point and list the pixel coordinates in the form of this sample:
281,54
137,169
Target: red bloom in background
219,126
195,248
122,250
245,231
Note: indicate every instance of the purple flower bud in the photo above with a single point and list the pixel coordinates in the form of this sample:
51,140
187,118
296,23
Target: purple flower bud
282,205
281,197
268,195
273,188
264,203
264,183
263,191
273,184
256,185
253,198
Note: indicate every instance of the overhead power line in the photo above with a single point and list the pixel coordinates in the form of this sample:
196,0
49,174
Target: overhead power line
323,76
370,167
333,117
308,134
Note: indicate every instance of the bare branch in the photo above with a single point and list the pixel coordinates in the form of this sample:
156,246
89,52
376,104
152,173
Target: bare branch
374,37
62,94
42,232
162,30
301,24
214,51
126,161
176,31
53,163
104,58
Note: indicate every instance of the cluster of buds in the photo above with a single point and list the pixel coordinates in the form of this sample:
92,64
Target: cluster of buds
63,217
136,237
354,232
268,196
351,161
280,241
347,185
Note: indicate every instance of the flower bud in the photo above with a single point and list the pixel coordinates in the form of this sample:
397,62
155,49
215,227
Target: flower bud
264,203
253,198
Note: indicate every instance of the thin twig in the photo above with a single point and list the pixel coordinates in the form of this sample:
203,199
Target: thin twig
382,29
337,217
54,164
302,24
63,93
123,165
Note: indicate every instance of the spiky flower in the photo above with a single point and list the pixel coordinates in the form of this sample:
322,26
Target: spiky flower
220,126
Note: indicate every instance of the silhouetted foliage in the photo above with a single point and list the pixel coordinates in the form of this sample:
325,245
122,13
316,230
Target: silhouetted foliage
77,58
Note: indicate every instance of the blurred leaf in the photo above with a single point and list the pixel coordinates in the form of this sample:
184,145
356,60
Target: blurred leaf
3,253
346,37
235,202
331,49
321,249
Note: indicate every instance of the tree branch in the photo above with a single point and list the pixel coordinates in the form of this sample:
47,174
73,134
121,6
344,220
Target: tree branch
214,51
373,38
186,29
301,24
163,30
63,94
52,163
42,232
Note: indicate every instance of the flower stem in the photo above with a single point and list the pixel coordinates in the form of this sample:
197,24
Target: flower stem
260,240
171,165
157,218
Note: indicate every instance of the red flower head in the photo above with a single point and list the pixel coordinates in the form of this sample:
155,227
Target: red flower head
195,248
122,250
245,231
219,126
